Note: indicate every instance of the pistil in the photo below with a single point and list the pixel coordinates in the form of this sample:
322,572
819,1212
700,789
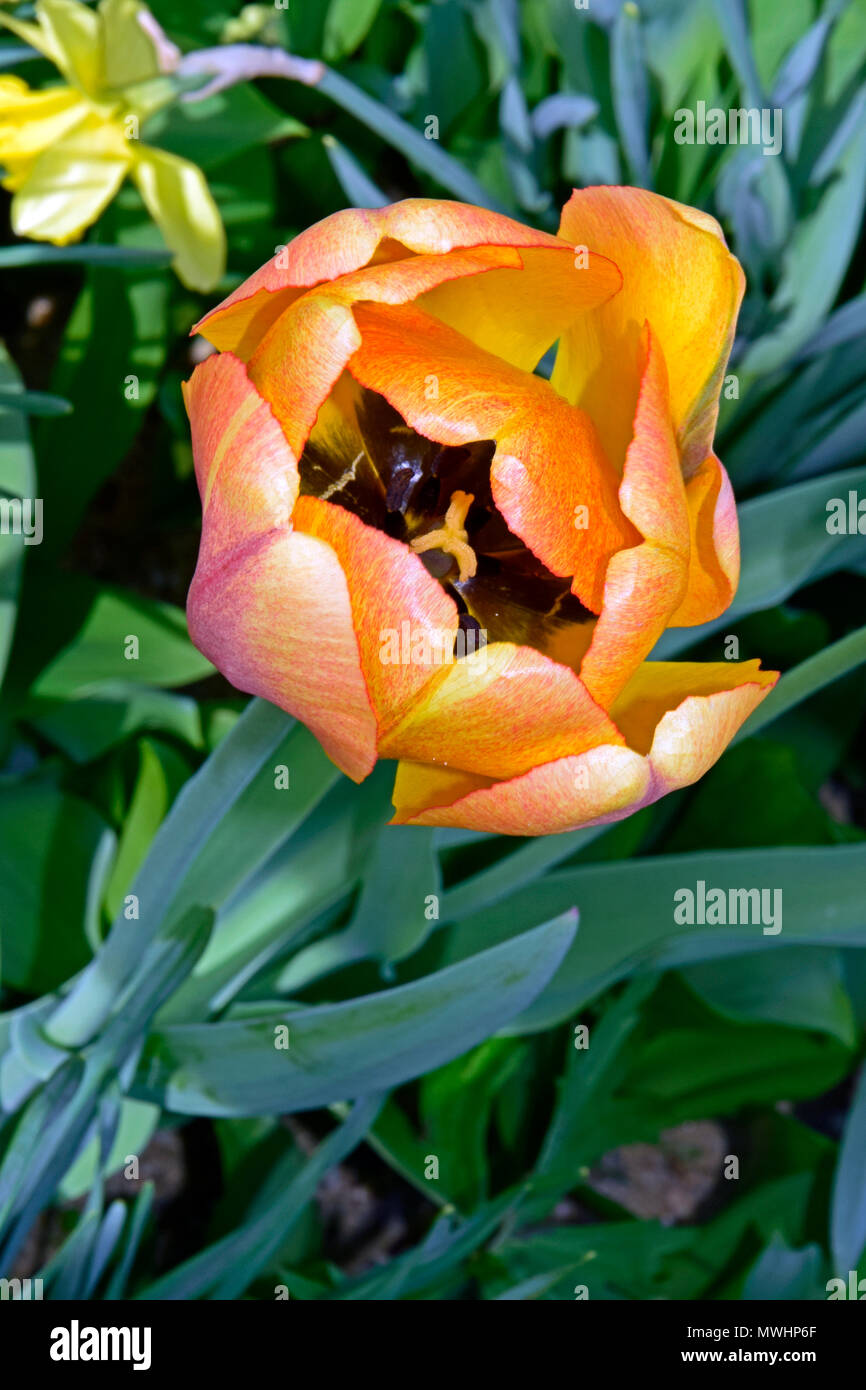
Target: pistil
451,537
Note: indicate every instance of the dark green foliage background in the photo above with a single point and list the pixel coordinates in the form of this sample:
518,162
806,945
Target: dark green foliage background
451,1037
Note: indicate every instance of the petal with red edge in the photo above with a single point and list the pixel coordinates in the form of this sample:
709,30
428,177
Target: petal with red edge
246,473
714,555
275,617
644,584
348,240
602,784
679,275
499,711
680,735
300,356
388,587
547,462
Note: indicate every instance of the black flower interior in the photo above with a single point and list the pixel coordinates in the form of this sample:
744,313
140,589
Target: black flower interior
368,460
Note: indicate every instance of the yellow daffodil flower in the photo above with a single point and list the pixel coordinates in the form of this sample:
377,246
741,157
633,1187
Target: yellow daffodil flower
66,150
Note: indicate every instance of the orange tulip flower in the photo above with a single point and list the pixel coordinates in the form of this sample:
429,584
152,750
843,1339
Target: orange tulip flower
426,551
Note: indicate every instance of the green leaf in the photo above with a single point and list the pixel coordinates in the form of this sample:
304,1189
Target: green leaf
309,877
161,774
124,637
136,1125
815,263
347,24
86,725
17,480
359,189
848,1203
803,988
33,402
11,257
571,1139
394,915
811,675
439,1256
225,1270
220,127
627,918
455,1104
434,162
48,840
733,22
519,867
782,1273
206,799
113,350
630,89
622,1259
340,1051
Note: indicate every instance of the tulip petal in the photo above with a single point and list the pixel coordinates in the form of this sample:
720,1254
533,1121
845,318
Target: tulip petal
679,275
178,199
247,476
270,606
661,687
499,711
547,463
306,346
350,239
714,554
276,619
297,363
518,314
71,182
603,784
644,584
388,588
681,716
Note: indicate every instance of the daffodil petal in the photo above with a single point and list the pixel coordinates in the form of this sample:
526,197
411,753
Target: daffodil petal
73,39
31,122
34,35
129,55
178,199
69,184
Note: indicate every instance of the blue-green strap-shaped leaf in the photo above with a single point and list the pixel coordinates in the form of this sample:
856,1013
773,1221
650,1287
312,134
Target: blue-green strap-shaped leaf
306,1057
806,679
17,482
848,1209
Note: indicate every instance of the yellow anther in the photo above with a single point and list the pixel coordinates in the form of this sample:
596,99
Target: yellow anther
451,536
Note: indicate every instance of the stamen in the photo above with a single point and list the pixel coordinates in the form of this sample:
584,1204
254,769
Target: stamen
452,536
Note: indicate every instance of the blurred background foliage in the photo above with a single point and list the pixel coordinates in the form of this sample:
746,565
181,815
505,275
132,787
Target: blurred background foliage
453,1038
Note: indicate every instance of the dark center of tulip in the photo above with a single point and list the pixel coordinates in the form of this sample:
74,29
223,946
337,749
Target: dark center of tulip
437,499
